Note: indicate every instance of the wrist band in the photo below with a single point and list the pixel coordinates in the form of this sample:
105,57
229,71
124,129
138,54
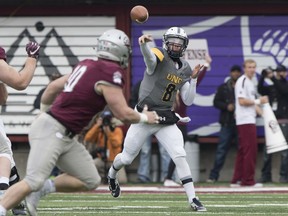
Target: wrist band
143,118
194,80
44,107
34,56
257,102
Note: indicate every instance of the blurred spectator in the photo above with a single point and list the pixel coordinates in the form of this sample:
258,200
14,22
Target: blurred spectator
277,94
104,140
246,109
224,100
144,168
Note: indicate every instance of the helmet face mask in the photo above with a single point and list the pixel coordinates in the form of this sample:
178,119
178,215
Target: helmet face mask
114,45
175,42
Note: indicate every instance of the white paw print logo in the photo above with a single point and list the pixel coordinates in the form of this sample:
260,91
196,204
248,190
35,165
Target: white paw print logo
273,44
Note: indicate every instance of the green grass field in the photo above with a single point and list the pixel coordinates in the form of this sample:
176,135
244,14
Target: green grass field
173,204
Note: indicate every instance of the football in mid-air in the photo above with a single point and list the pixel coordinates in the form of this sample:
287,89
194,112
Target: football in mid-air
139,14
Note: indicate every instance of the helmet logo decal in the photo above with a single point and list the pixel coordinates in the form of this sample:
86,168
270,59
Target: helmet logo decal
126,41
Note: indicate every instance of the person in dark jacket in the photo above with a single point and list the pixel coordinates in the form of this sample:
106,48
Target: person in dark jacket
224,100
277,94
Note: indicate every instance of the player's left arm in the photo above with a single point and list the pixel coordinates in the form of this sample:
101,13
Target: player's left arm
188,90
52,90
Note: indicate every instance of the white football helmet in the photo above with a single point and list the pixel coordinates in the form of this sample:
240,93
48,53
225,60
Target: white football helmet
178,36
114,45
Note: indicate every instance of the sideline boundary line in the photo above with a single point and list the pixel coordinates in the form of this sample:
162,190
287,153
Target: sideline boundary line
162,189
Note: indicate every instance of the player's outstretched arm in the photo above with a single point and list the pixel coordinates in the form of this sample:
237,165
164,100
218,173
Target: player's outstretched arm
149,57
20,80
117,104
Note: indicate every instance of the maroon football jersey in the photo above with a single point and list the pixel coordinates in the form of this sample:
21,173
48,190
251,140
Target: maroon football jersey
75,106
2,54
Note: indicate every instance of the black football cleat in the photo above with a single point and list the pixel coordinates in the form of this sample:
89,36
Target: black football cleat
114,187
19,209
196,205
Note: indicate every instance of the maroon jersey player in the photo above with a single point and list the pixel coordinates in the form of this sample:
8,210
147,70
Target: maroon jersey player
77,98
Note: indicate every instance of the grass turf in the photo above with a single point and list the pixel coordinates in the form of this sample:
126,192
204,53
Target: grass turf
174,204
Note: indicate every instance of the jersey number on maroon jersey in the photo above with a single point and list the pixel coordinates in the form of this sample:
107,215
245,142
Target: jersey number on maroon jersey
74,78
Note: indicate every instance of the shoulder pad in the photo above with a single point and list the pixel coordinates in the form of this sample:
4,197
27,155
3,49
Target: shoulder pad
159,53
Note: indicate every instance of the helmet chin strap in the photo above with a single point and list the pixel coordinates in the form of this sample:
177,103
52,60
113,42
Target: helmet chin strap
174,55
175,59
123,63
